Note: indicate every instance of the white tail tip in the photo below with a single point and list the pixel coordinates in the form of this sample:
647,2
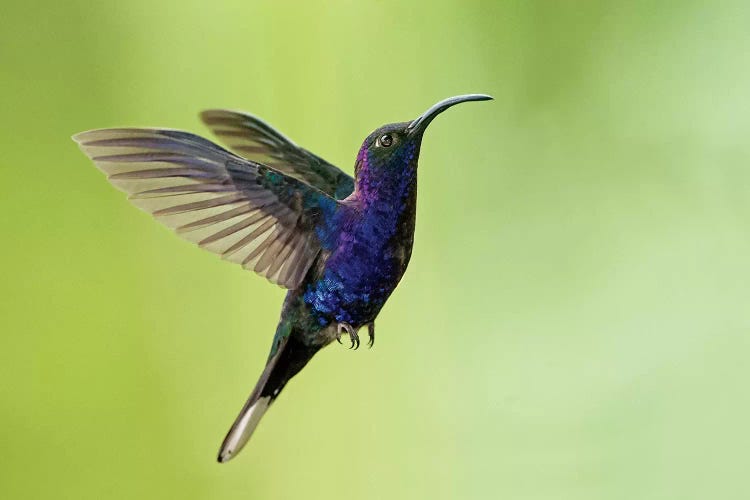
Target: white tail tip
243,428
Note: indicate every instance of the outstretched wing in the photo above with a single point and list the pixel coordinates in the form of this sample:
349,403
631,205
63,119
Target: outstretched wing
246,212
254,139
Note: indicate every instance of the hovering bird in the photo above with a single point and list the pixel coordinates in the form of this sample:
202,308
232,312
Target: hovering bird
340,245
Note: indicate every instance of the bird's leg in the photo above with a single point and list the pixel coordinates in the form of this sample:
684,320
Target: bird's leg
339,329
347,328
371,333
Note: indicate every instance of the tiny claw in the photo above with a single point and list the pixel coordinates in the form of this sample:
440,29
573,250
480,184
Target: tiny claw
348,329
339,329
354,338
371,333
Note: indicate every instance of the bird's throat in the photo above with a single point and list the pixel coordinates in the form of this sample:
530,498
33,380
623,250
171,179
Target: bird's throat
381,185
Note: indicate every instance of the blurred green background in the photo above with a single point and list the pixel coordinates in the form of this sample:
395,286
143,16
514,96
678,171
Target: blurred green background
574,323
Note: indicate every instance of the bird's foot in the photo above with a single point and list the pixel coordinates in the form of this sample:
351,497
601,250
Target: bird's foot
349,330
371,333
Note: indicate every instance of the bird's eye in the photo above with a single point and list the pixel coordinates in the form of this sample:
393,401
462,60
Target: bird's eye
386,140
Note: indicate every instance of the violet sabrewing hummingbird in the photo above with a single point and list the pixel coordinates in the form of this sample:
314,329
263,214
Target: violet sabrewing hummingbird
340,245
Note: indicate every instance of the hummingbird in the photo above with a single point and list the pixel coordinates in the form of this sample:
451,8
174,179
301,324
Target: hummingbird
338,244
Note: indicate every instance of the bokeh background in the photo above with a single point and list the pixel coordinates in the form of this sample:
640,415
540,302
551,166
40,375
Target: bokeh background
574,323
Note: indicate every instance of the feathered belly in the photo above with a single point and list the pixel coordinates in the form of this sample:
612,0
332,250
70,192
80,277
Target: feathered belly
355,286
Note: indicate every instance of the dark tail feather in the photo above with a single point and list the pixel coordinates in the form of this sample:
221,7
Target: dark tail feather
290,357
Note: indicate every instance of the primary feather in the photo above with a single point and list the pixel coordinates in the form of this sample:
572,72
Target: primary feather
246,212
254,139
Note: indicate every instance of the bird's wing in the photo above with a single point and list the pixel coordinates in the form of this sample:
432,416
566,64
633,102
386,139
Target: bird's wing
248,213
252,138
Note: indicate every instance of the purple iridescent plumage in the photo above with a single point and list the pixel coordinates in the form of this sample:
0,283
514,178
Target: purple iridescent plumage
340,245
372,241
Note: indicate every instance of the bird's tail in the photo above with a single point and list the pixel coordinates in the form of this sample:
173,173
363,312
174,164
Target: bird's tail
289,358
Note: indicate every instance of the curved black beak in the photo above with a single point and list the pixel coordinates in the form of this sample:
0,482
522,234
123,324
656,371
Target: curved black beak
421,123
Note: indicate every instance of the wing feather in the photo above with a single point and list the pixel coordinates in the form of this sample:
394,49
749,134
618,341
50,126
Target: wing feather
252,138
248,213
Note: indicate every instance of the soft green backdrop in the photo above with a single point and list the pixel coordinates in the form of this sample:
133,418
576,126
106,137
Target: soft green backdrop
575,320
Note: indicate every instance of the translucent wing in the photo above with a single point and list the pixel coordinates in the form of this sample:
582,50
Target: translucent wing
252,138
246,212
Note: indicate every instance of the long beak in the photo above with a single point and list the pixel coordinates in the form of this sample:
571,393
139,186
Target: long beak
421,123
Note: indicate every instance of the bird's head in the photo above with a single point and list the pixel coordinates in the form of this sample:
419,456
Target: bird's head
394,147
